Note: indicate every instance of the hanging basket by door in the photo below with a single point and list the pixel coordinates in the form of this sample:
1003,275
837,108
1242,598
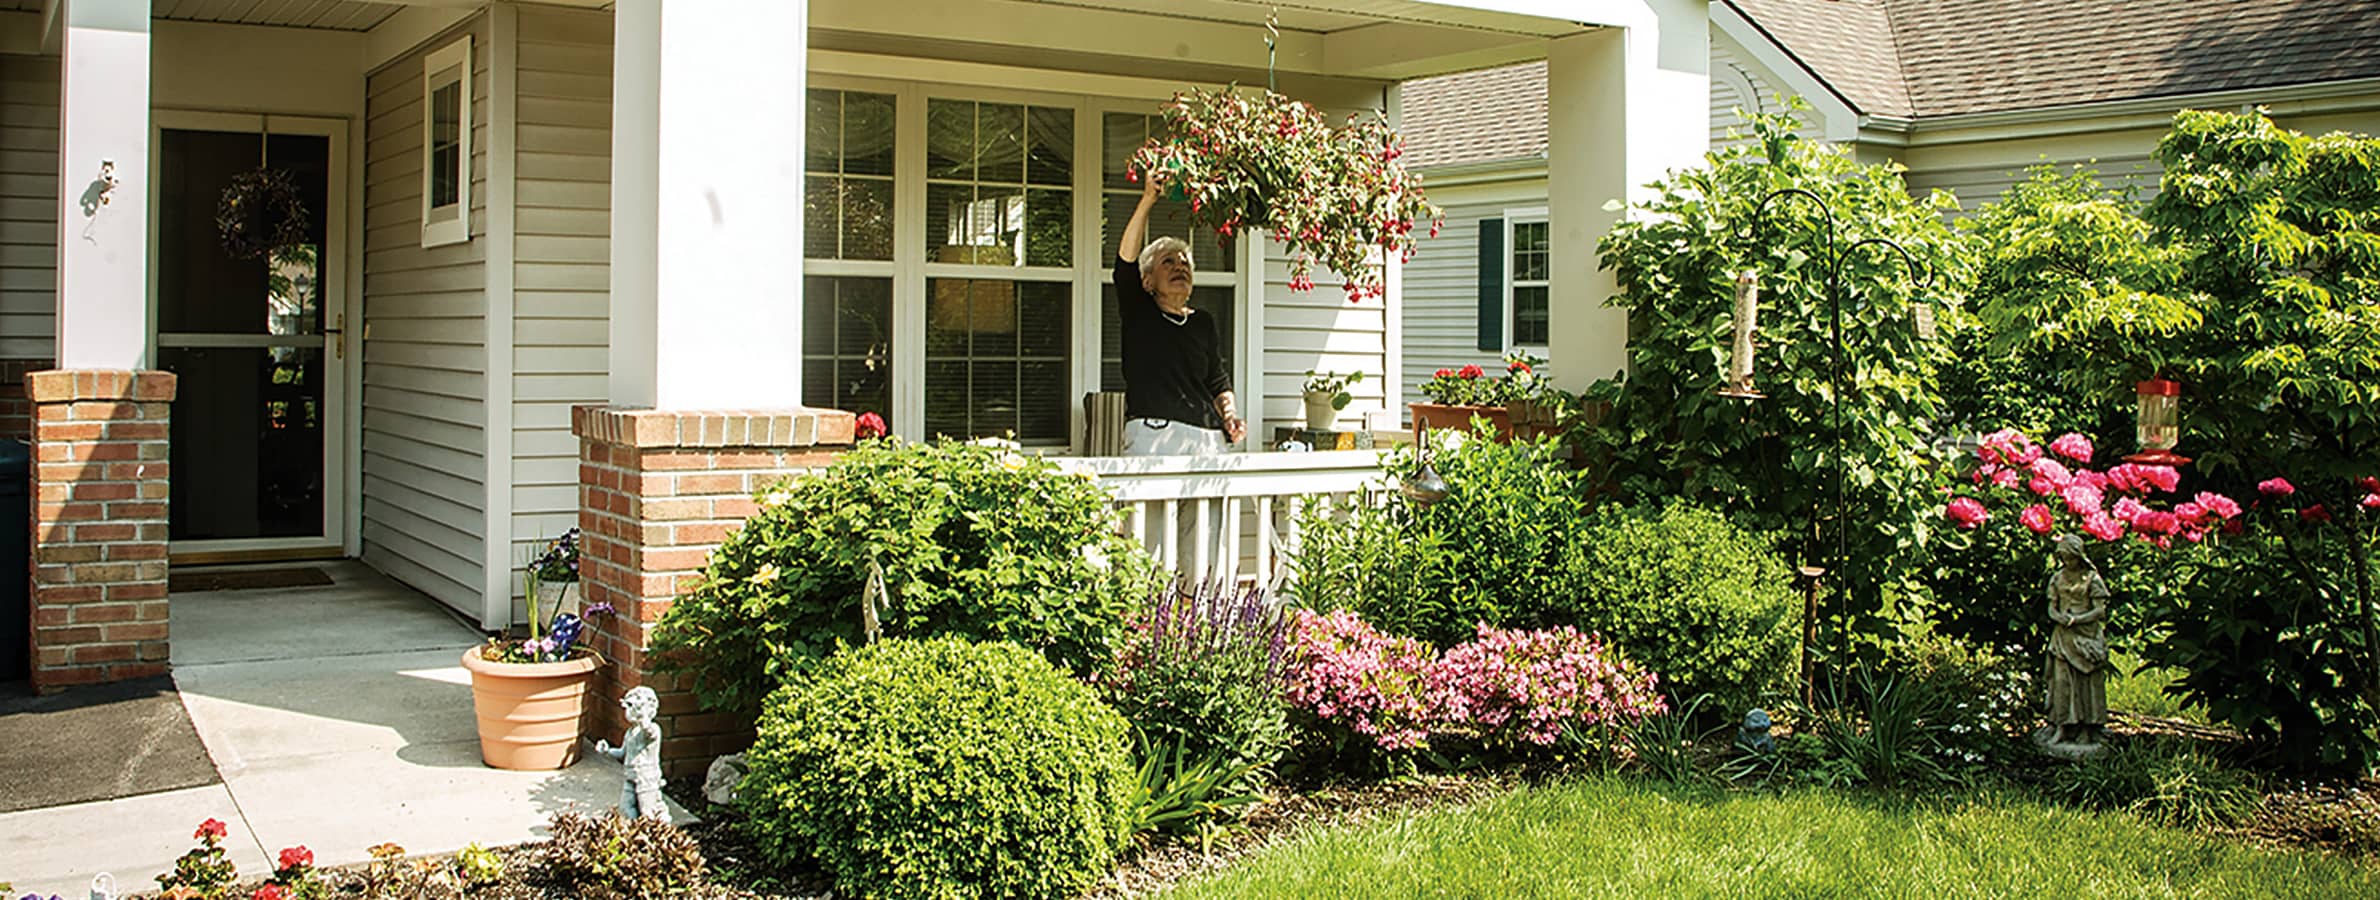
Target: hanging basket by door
261,211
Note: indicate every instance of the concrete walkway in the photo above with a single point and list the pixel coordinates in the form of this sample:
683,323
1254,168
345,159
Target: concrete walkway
339,717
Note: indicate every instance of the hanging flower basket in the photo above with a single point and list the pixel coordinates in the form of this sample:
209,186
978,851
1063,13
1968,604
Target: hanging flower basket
1340,197
261,211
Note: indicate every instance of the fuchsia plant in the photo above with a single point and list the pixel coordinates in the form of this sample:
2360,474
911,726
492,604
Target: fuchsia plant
1334,196
1504,687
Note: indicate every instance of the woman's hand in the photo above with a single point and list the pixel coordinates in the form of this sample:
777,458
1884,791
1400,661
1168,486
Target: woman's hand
1150,186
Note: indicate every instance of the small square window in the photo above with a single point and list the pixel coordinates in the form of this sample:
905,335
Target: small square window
446,145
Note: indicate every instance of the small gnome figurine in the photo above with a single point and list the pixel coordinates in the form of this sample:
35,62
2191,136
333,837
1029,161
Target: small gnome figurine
640,756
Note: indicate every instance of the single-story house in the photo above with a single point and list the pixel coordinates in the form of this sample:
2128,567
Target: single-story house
1966,94
424,282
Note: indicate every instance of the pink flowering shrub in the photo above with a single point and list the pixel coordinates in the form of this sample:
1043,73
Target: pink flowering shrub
1504,688
2106,504
1509,686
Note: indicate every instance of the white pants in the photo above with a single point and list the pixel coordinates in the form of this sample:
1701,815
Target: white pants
1164,437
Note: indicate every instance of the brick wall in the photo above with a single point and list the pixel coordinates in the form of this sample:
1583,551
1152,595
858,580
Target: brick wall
16,406
99,525
658,491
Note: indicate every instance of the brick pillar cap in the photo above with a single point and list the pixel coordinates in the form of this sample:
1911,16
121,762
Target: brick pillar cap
72,385
771,429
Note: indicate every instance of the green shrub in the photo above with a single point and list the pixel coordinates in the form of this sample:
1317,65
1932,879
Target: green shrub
608,856
1870,729
1689,595
1491,551
2165,782
974,541
1200,675
937,768
1987,696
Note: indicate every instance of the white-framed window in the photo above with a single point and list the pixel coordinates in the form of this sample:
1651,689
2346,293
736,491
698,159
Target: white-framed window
1527,280
446,144
1214,260
850,223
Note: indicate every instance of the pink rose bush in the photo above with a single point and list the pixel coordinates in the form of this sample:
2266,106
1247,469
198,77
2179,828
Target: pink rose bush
1504,688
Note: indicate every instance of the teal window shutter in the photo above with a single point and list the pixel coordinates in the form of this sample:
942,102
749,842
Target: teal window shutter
1491,285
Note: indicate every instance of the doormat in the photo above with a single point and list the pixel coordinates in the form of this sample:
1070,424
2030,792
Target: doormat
97,743
189,581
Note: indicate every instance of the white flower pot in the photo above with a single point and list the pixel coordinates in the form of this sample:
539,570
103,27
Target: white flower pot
556,597
1320,415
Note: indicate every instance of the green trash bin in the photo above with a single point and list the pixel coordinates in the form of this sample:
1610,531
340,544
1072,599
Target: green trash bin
16,575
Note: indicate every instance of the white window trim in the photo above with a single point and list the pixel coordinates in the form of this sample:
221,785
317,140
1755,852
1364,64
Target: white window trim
1515,217
443,225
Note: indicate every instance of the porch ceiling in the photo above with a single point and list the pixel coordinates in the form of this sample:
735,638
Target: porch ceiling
1193,40
334,15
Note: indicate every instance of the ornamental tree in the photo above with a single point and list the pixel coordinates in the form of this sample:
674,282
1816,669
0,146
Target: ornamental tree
1341,197
1771,464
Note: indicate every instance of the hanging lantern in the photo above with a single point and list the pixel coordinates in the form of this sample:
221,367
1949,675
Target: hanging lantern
1747,317
2158,425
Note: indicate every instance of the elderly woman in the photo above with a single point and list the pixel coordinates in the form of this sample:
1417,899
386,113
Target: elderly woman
1177,392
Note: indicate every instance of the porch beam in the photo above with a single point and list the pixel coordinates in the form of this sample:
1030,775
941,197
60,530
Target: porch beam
1135,39
103,227
1624,106
706,243
1396,51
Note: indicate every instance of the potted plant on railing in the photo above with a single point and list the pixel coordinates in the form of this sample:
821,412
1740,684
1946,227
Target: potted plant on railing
1326,395
1520,402
530,693
1341,197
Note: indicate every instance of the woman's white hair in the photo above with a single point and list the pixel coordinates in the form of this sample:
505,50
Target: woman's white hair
1156,250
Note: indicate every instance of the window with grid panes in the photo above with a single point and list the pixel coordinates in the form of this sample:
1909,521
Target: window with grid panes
847,320
1213,256
1531,292
1000,200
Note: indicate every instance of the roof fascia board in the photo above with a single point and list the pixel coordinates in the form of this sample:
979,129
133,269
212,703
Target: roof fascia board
1842,119
1517,168
2350,95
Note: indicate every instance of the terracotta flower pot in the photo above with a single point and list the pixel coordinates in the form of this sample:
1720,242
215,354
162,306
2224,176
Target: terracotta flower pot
530,714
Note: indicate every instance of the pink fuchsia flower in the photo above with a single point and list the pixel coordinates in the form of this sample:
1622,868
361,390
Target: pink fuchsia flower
297,857
2276,487
2037,518
1965,512
2220,506
211,829
2315,513
2072,446
869,425
2103,526
2083,499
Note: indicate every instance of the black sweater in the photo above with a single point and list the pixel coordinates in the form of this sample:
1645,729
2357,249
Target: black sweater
1172,370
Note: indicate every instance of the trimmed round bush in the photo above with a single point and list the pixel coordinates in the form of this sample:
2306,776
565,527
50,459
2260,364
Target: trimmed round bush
975,541
1689,595
939,768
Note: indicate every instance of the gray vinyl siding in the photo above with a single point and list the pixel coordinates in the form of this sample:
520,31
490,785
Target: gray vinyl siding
425,356
1316,329
28,207
561,259
1441,303
1727,62
1975,186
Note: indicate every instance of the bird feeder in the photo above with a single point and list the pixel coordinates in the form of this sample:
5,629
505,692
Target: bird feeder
1747,316
2158,425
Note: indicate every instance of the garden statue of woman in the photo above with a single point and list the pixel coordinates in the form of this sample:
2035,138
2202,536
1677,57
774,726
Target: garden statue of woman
2077,664
639,754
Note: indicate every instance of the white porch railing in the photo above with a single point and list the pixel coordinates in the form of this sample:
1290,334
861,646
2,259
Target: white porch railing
1229,516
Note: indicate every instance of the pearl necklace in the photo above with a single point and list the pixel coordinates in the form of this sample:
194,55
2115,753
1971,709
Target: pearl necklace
1184,320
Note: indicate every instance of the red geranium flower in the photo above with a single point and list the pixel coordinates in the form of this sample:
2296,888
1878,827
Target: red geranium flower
269,892
211,828
1471,371
869,425
296,857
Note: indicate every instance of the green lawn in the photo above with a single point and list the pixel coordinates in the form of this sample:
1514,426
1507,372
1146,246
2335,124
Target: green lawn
2143,691
1618,838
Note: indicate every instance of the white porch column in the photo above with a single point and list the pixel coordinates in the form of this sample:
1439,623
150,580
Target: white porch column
1624,105
103,231
707,118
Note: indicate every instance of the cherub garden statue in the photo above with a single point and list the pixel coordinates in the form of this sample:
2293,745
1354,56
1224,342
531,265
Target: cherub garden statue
2077,663
639,754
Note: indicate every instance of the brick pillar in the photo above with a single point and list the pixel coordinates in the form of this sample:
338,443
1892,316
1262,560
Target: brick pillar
99,526
658,491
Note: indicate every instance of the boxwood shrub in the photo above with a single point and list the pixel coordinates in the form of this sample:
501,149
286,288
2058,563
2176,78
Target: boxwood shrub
974,540
1708,605
940,768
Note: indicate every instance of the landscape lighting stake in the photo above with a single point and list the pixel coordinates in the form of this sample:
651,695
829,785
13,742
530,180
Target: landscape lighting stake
1835,254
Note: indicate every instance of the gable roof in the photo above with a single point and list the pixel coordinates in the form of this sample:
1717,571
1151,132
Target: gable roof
1471,117
1920,58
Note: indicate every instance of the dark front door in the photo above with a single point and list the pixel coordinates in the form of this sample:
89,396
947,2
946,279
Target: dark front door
243,319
